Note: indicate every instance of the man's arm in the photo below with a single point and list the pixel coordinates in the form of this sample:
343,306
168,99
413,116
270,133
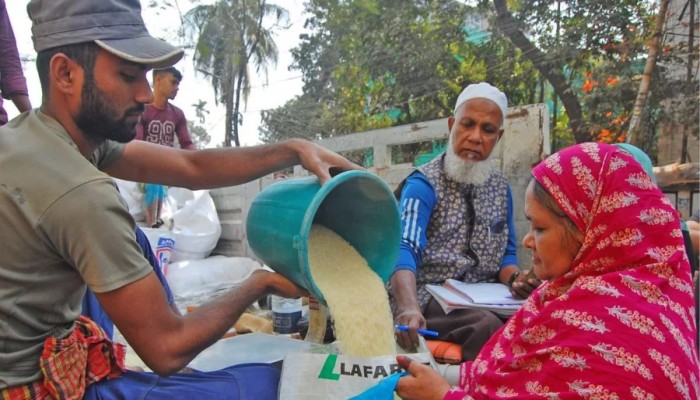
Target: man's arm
213,168
21,101
110,261
509,261
694,231
183,133
167,342
416,204
13,85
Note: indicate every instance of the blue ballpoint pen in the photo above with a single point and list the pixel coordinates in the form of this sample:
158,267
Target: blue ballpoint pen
424,332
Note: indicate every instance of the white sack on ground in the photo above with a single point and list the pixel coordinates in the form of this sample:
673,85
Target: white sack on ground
191,214
196,277
133,196
132,193
196,226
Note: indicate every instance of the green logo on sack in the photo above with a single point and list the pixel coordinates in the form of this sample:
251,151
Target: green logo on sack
358,370
328,367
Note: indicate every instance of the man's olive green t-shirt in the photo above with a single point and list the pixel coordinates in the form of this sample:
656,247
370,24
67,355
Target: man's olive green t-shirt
63,225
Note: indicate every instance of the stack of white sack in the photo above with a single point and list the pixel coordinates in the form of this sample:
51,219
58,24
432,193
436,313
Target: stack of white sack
195,226
191,220
192,278
133,196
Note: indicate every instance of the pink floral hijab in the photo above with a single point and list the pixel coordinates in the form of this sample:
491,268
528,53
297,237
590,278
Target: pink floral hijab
621,323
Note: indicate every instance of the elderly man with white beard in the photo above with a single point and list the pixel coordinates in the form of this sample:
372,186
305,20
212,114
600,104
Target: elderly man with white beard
457,222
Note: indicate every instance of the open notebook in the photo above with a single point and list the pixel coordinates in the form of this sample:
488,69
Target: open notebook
494,297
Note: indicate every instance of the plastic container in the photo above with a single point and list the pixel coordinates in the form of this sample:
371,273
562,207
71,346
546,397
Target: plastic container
286,313
356,205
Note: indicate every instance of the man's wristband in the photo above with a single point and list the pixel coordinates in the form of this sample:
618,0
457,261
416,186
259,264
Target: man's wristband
512,279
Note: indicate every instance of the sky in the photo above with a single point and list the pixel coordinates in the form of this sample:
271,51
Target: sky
282,84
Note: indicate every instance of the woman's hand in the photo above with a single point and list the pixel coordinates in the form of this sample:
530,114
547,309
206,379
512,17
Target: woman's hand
524,284
423,383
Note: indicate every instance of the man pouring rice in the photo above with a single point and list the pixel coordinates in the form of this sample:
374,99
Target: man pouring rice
65,226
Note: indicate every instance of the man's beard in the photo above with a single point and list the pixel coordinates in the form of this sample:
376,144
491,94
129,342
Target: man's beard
98,120
466,171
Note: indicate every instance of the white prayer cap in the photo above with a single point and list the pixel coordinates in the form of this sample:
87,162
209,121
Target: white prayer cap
483,91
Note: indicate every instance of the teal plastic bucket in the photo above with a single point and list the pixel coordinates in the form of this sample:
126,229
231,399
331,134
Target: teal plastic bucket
356,205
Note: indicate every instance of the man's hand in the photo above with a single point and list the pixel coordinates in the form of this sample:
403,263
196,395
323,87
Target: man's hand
279,285
319,160
408,311
423,383
414,320
524,284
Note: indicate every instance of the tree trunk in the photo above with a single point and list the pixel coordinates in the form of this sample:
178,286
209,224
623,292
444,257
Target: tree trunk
237,105
654,45
229,121
551,70
245,53
407,111
689,77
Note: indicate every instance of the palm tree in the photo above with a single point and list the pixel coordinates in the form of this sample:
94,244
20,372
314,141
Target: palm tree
231,38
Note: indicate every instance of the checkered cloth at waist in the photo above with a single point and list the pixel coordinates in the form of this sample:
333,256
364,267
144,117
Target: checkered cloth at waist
69,365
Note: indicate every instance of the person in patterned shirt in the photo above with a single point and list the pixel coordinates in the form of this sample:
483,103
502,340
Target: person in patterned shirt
614,319
457,223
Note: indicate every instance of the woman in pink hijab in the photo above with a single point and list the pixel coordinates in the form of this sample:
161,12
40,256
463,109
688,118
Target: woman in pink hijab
616,317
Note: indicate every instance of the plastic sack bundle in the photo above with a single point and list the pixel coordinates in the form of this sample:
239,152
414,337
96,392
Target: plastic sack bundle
191,278
191,214
179,196
133,196
132,193
162,243
196,227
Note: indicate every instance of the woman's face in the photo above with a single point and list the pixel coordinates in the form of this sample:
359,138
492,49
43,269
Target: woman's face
552,243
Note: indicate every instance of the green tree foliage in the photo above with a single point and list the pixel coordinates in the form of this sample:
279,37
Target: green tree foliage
200,109
300,117
199,135
231,37
368,64
592,52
